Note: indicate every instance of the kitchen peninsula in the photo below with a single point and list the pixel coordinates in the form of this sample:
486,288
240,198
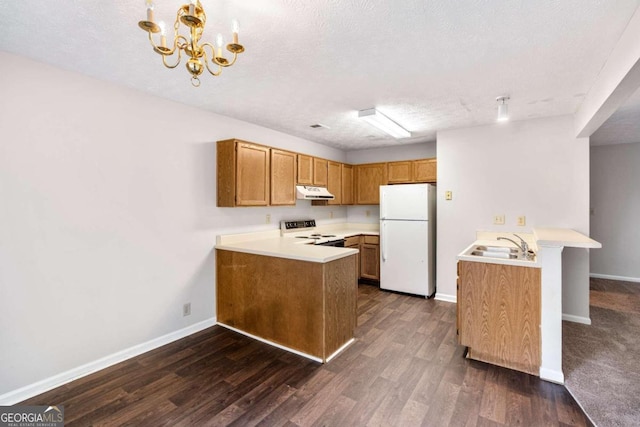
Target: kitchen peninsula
280,290
510,307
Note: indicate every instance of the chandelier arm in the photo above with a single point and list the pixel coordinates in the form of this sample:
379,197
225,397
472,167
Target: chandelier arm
206,60
164,60
233,61
161,50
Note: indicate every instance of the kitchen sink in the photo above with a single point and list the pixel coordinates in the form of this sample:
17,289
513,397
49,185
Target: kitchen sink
502,249
495,254
502,252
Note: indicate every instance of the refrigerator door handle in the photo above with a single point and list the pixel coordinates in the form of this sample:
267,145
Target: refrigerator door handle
384,240
383,204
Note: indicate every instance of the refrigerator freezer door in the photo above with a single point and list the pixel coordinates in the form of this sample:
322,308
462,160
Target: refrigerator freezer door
409,201
404,261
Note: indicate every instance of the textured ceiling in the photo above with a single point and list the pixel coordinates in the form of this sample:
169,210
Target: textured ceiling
623,127
429,65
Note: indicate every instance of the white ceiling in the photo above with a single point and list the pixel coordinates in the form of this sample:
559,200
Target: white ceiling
429,65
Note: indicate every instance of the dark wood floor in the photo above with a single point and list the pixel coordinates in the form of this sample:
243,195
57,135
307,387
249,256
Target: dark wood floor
405,369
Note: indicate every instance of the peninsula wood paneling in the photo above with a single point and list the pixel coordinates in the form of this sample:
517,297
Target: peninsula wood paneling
340,295
306,306
499,309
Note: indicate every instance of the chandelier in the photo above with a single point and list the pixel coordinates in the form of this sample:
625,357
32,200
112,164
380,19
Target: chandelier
201,55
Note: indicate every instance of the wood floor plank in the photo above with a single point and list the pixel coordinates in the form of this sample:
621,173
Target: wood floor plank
404,369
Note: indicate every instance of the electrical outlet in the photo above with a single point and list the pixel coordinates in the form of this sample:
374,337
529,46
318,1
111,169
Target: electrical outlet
268,219
448,195
498,219
186,309
522,220
331,214
367,213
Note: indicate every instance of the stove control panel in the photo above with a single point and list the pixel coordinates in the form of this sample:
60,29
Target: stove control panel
295,225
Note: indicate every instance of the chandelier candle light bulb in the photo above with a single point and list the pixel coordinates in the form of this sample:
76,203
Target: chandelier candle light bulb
149,4
163,36
219,43
236,30
192,7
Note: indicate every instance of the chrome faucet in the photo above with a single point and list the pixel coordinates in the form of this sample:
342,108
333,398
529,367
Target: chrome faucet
523,246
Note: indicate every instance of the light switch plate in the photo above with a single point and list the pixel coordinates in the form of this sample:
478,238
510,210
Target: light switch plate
498,219
448,195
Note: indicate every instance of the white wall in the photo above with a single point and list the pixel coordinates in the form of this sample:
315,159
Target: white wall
108,216
391,154
535,168
615,200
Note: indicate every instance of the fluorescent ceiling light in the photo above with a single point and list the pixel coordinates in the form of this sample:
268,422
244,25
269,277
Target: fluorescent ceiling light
384,123
503,108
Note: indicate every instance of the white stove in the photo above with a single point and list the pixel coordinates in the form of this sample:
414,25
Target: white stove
305,231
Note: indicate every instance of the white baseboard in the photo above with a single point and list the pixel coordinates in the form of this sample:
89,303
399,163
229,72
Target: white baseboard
612,277
552,375
576,319
26,392
446,297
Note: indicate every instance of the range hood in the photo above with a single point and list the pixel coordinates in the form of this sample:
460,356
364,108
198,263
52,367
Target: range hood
308,192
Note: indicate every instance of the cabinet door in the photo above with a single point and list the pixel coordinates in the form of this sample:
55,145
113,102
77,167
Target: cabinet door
347,184
252,175
283,177
305,170
334,182
400,172
499,310
320,172
370,261
369,178
425,170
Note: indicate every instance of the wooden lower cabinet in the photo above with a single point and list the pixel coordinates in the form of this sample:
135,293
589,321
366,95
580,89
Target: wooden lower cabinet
305,306
370,258
353,242
499,314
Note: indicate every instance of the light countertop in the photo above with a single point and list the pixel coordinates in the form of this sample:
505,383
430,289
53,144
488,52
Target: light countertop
564,237
270,243
541,237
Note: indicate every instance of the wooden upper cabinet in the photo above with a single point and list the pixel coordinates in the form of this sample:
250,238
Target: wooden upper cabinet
347,184
334,182
243,173
425,170
320,172
368,179
305,170
400,172
283,177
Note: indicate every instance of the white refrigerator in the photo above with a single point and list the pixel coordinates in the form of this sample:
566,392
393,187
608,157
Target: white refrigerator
407,238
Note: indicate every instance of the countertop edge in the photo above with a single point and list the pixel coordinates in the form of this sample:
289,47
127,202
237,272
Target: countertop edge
344,252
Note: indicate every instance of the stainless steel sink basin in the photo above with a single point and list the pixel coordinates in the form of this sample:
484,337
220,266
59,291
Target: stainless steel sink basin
502,252
495,254
501,249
